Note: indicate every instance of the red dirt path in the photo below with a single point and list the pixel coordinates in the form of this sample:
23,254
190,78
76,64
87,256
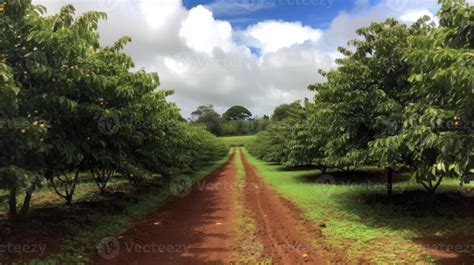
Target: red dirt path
202,221
280,226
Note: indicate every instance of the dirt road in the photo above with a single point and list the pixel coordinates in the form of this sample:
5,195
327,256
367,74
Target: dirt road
195,229
200,228
280,226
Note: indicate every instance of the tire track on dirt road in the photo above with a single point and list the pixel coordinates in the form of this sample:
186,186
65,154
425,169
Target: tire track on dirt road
280,224
196,229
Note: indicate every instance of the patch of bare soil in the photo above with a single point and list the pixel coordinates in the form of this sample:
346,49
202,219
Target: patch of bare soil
195,229
287,238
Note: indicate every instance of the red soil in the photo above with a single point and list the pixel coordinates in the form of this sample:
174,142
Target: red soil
200,228
196,229
280,225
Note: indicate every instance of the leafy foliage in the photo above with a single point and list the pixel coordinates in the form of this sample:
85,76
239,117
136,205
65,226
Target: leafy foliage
401,97
235,121
67,109
237,113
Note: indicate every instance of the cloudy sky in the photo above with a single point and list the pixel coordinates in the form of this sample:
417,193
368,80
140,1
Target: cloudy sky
255,53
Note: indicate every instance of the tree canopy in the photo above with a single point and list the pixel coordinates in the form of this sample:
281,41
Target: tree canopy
235,121
400,97
82,108
237,113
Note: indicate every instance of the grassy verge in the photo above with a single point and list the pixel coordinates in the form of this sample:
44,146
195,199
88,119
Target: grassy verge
364,229
251,248
87,226
238,140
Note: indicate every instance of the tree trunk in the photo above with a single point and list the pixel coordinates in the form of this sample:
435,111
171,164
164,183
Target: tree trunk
68,199
69,186
14,215
102,178
27,200
389,186
70,195
12,205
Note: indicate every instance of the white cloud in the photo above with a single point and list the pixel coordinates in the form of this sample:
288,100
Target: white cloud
238,7
413,16
270,36
207,62
159,12
203,33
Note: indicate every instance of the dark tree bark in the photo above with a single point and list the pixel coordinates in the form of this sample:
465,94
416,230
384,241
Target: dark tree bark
12,205
27,200
69,185
14,215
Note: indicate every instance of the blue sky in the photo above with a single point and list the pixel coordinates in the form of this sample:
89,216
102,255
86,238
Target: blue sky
314,13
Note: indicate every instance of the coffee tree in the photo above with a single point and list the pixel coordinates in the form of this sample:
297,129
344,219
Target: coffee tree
364,97
22,146
22,131
438,126
400,97
77,109
272,144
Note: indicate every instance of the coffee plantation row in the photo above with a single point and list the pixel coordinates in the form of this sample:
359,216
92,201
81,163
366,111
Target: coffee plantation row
69,105
401,98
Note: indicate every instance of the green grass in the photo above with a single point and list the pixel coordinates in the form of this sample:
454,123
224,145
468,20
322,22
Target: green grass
84,232
238,140
377,232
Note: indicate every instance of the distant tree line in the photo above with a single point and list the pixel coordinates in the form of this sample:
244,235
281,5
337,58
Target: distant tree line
237,120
